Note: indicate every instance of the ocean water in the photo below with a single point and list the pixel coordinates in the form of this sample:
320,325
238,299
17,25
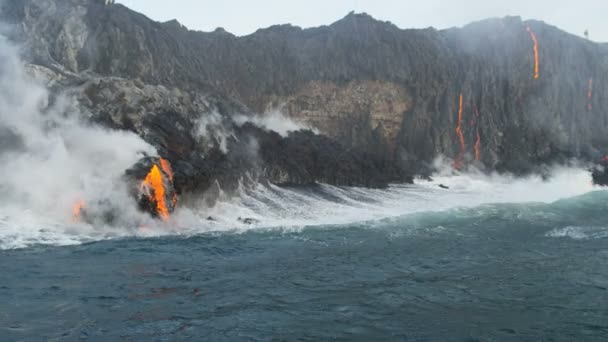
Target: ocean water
490,259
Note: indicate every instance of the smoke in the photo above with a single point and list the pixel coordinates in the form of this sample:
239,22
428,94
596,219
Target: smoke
273,121
211,129
215,130
52,159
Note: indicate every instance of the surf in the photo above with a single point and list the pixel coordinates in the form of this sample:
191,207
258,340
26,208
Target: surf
264,206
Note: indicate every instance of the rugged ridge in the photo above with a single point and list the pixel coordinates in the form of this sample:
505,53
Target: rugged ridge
390,100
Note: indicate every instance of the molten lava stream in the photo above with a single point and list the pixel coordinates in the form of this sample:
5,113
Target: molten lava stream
478,146
77,211
166,166
536,59
155,189
458,161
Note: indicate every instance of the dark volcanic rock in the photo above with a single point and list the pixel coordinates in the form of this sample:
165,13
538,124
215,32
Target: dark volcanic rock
386,100
600,173
303,158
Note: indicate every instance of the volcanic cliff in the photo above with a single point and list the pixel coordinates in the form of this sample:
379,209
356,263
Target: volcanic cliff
500,94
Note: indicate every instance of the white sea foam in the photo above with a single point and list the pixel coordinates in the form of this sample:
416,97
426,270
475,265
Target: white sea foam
579,233
272,207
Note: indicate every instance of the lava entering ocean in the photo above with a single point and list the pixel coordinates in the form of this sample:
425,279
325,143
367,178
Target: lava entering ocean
77,211
155,189
536,58
166,166
460,135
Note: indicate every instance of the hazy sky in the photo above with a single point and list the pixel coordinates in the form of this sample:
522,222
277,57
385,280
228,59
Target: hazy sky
245,16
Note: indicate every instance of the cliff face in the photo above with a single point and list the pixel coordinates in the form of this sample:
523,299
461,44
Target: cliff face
502,94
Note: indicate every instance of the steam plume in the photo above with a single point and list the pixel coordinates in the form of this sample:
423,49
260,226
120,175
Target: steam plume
52,162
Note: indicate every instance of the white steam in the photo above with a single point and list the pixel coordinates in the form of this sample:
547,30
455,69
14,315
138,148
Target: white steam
49,159
211,130
273,121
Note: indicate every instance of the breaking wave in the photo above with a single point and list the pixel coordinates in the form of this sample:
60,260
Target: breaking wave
579,233
268,207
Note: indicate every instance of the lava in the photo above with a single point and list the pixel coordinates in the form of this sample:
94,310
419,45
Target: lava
77,211
478,146
463,146
154,187
166,166
590,95
536,59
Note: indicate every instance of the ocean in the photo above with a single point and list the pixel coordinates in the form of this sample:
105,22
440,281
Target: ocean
492,258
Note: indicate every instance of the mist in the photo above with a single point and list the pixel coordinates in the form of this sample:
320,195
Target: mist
49,159
275,121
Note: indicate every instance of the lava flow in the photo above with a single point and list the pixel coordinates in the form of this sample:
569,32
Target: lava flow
155,189
77,211
458,161
536,59
166,166
164,163
590,95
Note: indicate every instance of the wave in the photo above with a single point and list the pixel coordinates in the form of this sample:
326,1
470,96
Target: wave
579,233
264,207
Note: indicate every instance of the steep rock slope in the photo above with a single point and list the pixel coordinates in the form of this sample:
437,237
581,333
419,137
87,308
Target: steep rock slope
502,93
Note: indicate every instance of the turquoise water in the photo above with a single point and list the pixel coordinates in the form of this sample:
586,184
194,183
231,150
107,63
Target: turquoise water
494,272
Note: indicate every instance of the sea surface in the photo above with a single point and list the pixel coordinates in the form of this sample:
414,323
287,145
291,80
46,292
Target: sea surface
490,259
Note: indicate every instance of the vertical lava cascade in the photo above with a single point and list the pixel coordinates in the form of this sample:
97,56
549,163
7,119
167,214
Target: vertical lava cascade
590,95
154,188
536,59
166,166
76,212
460,135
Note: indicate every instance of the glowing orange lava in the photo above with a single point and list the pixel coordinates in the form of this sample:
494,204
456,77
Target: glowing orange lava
166,166
536,59
478,146
590,95
77,211
463,146
154,188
